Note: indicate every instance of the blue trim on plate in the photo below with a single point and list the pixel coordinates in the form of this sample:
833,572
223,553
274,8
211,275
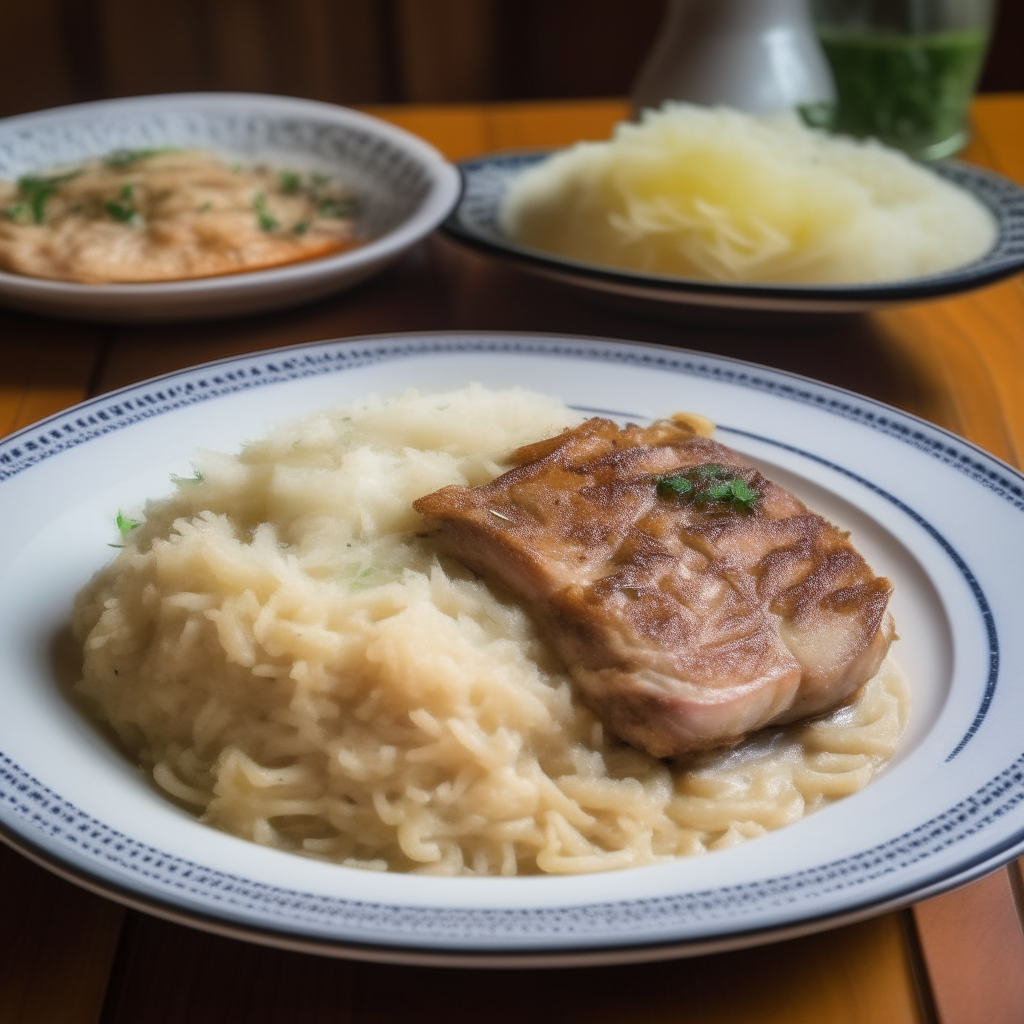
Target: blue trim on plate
61,822
979,595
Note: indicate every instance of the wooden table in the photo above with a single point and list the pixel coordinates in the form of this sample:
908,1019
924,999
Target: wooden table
70,957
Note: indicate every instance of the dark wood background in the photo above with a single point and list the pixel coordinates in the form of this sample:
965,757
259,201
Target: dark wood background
352,51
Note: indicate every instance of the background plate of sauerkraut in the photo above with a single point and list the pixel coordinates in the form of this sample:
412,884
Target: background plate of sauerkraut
593,217
937,515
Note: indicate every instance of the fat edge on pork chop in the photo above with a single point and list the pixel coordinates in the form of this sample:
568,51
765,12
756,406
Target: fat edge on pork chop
692,600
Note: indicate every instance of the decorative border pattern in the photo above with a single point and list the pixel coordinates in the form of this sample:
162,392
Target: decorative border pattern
41,813
475,220
458,928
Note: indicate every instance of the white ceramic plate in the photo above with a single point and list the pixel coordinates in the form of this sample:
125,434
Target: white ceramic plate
942,518
475,222
404,187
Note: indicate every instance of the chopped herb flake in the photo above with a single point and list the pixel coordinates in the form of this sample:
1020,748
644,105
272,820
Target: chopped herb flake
206,206
710,484
336,208
124,524
290,182
122,209
319,180
263,215
198,478
18,212
301,228
38,190
676,484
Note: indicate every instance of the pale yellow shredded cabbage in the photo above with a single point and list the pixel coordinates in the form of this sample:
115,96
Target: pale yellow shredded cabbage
717,194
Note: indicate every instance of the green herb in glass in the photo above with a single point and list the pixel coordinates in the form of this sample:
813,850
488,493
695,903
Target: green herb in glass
38,190
909,90
710,484
265,219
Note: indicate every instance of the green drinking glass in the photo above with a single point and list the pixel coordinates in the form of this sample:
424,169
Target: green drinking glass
905,70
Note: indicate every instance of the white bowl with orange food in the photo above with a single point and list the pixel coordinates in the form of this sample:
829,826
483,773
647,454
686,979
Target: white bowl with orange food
219,204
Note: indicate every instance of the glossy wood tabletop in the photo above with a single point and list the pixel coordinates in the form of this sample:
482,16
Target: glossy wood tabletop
71,957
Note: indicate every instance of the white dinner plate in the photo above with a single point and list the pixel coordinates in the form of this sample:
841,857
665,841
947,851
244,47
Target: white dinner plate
475,222
939,516
403,187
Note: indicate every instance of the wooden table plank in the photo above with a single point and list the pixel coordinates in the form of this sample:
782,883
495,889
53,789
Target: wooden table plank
167,974
846,976
458,130
974,948
998,123
45,366
463,130
529,125
57,946
953,344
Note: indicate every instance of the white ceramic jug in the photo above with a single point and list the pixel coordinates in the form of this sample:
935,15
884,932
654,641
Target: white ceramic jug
757,55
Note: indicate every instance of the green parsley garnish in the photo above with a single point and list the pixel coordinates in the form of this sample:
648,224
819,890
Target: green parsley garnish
198,478
290,182
301,228
710,484
206,206
38,190
17,212
319,180
121,209
263,215
122,158
336,208
125,526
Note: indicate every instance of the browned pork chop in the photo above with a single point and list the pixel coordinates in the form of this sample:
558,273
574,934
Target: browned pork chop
687,622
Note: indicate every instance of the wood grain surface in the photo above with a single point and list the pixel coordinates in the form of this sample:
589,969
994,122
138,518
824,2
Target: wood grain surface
69,956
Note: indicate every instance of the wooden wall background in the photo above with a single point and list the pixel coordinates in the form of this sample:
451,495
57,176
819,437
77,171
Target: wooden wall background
351,51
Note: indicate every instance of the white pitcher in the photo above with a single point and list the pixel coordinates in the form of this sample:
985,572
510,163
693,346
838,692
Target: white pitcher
757,55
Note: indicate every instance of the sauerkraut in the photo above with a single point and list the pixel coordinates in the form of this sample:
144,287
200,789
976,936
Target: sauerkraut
713,193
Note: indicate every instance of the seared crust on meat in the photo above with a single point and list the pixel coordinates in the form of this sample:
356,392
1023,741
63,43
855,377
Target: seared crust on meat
685,625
